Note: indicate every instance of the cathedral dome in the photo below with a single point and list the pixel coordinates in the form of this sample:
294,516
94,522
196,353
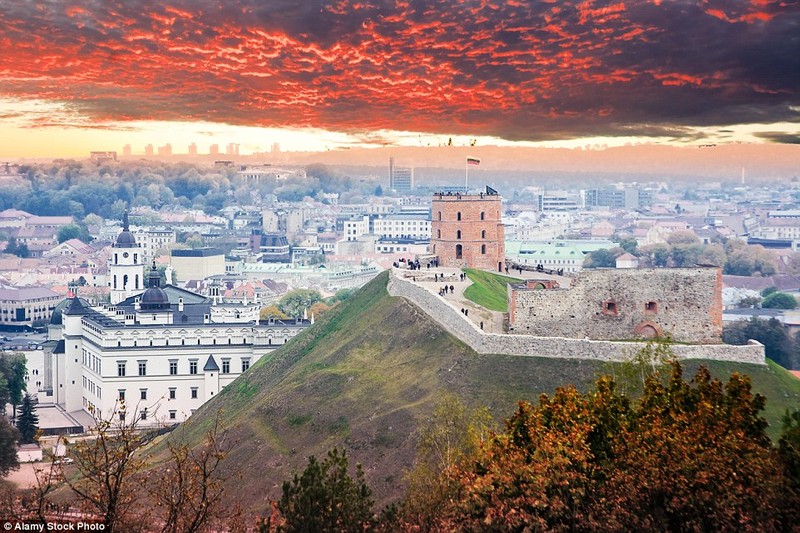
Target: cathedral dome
154,298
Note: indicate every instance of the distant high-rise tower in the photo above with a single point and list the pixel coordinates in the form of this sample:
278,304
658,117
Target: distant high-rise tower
276,148
148,150
126,150
213,149
193,149
165,150
401,179
232,149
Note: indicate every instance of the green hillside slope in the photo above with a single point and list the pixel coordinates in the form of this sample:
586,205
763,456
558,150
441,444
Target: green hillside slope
364,377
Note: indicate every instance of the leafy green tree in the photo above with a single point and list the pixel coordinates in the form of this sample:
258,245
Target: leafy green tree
70,231
771,333
28,421
601,259
779,300
295,302
8,447
13,368
325,498
769,290
630,245
16,248
449,438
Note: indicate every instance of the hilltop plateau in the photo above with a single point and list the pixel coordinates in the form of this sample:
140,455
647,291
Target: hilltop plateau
365,377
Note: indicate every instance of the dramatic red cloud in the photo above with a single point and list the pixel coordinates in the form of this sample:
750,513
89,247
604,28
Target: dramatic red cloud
513,69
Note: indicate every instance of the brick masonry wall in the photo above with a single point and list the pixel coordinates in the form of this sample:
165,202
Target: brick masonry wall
454,322
683,302
475,232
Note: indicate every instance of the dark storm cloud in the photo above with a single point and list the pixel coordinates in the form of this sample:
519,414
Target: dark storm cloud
779,137
515,69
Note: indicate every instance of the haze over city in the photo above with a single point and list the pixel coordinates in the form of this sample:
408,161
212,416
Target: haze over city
318,76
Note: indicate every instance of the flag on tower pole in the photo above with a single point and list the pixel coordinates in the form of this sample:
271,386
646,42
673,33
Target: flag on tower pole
470,161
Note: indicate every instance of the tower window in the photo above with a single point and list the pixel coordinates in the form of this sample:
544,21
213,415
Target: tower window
483,234
458,215
483,215
458,234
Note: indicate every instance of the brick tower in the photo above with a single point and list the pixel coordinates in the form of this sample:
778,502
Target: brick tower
467,232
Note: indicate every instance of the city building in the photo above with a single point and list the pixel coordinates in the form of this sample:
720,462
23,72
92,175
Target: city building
26,307
618,198
401,178
102,156
467,230
402,225
160,355
198,263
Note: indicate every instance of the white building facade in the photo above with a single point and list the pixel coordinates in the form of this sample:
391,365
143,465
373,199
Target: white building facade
160,355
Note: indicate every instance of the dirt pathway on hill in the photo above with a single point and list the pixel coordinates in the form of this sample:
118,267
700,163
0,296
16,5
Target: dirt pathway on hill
435,279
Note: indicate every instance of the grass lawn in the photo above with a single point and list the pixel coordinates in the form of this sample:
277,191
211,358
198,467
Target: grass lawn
488,289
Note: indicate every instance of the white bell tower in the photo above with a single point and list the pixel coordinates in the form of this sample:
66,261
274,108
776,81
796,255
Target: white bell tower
125,269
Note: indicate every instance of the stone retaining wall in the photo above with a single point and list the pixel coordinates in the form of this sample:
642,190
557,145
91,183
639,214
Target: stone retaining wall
444,313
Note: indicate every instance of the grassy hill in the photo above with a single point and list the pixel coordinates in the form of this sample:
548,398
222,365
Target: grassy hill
365,376
489,289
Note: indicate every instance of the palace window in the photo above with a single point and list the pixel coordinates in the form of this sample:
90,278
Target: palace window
172,393
226,366
194,393
245,364
121,368
142,368
193,366
142,394
173,368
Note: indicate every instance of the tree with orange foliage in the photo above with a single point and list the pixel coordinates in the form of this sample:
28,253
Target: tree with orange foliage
686,456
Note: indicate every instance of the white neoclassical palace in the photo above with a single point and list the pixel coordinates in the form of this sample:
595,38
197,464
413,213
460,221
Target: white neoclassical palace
159,351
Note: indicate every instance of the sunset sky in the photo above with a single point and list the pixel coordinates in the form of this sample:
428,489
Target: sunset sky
310,75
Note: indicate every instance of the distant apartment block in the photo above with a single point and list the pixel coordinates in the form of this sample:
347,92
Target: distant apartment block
618,198
355,228
102,156
126,150
148,150
401,178
193,149
402,226
558,201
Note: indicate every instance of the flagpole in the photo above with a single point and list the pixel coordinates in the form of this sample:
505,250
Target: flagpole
466,174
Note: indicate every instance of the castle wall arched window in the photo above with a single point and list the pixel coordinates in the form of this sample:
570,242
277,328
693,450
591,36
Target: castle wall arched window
458,235
458,215
483,234
438,234
483,249
483,215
